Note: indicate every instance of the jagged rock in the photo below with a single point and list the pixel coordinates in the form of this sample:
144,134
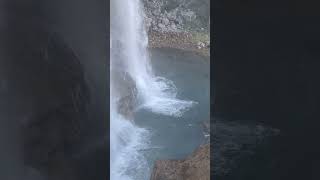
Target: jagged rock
165,21
161,26
186,15
173,27
201,45
47,86
195,167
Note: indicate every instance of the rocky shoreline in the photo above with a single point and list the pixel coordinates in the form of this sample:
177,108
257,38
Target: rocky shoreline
195,42
194,167
179,24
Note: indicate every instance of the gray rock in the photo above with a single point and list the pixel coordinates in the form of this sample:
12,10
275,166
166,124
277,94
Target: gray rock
165,21
187,15
156,12
161,26
148,22
201,45
173,27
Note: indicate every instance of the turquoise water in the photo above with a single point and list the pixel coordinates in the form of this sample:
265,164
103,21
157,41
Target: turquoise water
176,137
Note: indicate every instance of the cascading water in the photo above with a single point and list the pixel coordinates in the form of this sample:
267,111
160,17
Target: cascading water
132,79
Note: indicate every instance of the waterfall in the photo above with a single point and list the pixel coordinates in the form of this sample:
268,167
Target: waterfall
132,80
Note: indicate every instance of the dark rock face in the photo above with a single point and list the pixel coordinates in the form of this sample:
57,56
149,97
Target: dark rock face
265,68
235,145
55,130
51,106
195,167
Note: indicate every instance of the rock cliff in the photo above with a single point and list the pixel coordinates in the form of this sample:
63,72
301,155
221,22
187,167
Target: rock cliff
181,24
177,15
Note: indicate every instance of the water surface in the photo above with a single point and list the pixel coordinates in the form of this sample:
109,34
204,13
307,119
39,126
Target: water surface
176,137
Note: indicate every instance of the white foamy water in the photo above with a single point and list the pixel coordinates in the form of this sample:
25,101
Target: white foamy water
129,60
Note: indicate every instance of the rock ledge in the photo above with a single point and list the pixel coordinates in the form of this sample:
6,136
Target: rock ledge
195,167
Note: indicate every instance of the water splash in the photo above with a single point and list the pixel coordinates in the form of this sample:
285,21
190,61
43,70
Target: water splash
132,75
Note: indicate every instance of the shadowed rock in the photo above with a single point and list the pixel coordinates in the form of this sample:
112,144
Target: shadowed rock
47,96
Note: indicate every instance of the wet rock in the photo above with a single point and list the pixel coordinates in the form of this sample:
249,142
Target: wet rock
195,167
206,130
235,142
126,106
201,45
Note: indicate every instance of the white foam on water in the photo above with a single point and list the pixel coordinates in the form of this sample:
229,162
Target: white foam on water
127,140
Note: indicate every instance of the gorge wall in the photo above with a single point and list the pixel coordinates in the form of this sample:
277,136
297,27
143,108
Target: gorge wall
177,15
265,69
53,90
181,24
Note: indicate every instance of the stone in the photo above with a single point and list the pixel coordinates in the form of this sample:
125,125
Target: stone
165,21
195,167
162,26
201,45
156,12
173,27
188,15
148,22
